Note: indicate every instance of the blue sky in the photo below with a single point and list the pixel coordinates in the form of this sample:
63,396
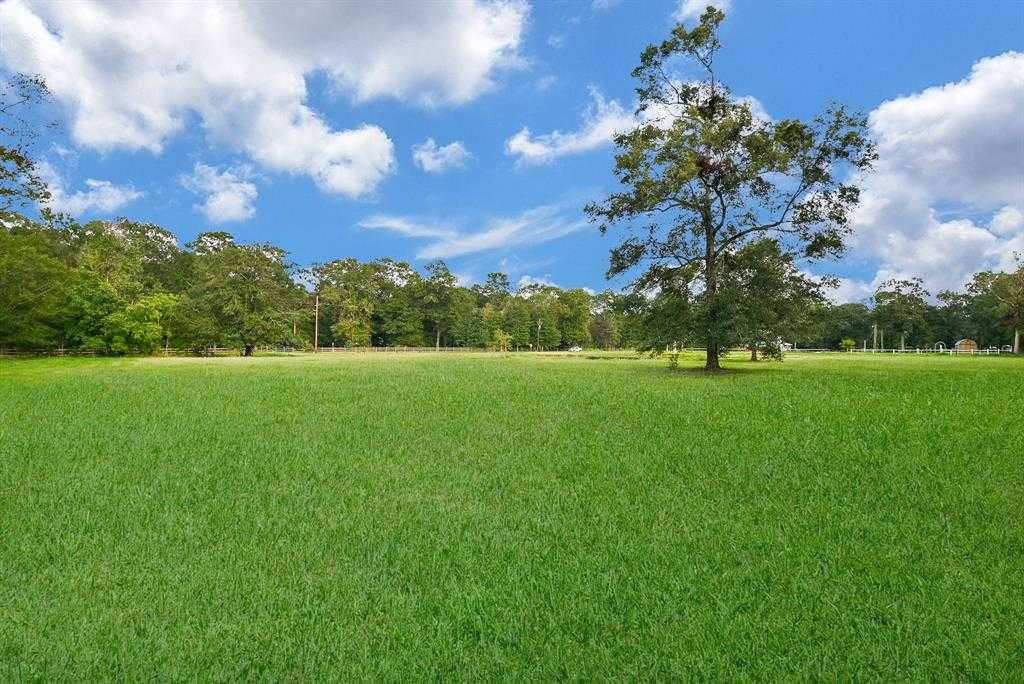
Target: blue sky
546,67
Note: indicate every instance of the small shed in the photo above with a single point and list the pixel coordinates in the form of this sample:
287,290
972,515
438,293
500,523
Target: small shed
966,346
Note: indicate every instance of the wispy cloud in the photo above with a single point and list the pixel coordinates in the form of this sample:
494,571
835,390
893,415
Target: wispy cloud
531,227
406,227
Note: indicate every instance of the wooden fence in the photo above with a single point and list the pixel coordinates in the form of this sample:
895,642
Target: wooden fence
231,351
206,351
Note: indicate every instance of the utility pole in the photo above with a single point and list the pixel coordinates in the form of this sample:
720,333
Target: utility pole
316,324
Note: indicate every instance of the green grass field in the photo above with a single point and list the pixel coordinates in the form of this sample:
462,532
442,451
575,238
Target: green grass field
483,517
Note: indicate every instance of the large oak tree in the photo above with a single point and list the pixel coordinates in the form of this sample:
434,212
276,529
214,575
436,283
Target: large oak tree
702,175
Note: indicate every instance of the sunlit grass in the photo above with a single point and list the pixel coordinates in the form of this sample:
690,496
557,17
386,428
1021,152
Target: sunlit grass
586,516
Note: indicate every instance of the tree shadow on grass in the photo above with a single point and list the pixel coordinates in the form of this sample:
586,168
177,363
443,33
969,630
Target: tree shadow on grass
728,372
738,367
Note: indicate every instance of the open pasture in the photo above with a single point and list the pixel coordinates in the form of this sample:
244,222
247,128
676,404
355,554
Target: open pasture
483,516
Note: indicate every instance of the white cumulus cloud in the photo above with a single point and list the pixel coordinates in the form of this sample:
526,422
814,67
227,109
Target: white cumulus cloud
434,159
99,196
229,193
947,196
133,75
850,290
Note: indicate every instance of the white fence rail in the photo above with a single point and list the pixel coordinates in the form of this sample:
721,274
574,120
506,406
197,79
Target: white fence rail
948,352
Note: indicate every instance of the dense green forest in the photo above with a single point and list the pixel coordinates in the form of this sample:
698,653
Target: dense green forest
123,287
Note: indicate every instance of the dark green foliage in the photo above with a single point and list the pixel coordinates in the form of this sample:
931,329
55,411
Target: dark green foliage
349,291
518,323
607,321
242,295
468,327
436,300
901,309
574,321
832,324
34,287
770,299
998,298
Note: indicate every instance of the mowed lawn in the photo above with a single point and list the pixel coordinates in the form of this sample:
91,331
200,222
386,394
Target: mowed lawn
484,516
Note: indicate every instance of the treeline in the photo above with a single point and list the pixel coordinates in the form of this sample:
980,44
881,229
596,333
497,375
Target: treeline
901,314
122,287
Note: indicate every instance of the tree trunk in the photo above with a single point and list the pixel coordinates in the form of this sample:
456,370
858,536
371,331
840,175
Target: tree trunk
248,350
753,353
711,292
1016,341
437,339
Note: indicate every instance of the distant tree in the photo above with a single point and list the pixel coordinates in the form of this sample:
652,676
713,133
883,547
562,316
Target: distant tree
1003,295
34,288
141,326
605,322
244,295
703,175
211,242
501,341
131,257
951,319
118,292
546,311
518,322
665,316
398,316
468,327
348,293
832,324
771,298
901,307
495,290
1009,289
848,344
493,318
91,303
574,321
437,299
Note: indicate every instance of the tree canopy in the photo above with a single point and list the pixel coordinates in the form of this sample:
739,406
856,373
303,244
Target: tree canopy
702,176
